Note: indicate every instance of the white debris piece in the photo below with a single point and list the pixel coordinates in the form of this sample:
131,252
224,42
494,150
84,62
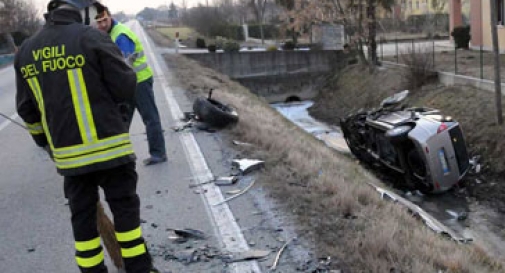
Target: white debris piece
247,165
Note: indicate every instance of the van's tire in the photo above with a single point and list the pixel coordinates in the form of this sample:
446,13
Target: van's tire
214,113
398,134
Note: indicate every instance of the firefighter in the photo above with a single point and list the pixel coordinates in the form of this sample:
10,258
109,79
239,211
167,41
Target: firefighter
70,79
144,101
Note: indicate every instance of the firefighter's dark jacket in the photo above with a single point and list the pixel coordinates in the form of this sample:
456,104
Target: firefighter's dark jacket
70,79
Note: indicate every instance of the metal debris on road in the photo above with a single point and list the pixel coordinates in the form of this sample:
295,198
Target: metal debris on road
189,233
226,180
186,125
193,255
219,181
460,216
233,192
240,143
248,255
247,165
236,195
188,116
278,256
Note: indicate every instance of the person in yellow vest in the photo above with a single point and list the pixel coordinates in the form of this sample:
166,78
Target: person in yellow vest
145,103
70,78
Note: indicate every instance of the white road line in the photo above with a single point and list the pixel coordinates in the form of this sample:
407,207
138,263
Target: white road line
7,122
225,225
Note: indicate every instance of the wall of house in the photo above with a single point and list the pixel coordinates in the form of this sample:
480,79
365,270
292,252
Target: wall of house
476,29
486,26
411,7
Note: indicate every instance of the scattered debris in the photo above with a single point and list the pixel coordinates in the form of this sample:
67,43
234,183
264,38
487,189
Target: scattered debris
186,125
429,220
474,162
189,233
200,191
226,180
233,192
323,265
188,116
248,255
236,195
460,216
248,165
239,143
201,254
278,256
219,181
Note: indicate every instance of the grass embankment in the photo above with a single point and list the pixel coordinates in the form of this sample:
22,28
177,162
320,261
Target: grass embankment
328,191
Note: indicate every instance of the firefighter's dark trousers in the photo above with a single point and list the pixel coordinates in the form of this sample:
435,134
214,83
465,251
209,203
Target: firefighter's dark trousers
119,185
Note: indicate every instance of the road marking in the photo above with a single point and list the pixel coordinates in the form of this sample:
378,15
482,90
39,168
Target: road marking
7,122
224,223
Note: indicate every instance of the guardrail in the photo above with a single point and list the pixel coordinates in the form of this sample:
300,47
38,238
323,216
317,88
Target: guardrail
6,59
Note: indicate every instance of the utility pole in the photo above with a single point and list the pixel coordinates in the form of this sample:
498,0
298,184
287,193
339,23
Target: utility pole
496,51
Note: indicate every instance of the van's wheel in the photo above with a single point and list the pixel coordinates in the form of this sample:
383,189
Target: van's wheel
418,171
214,113
416,164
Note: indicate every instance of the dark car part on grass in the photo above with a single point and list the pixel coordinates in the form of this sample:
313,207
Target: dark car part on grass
425,147
213,112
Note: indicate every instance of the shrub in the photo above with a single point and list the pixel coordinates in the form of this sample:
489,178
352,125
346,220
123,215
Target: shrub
220,41
269,31
461,36
233,32
200,43
231,46
212,48
316,46
272,48
420,68
289,45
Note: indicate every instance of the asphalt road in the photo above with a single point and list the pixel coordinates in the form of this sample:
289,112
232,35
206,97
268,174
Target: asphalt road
35,221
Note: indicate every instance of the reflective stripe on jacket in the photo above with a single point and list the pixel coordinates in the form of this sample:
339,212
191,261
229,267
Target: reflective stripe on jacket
70,79
140,65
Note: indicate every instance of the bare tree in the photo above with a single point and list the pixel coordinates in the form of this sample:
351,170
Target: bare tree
19,15
497,78
258,7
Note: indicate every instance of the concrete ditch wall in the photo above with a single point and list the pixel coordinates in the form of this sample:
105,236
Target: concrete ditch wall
276,75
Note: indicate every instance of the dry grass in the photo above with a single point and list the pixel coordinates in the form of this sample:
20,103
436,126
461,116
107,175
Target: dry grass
328,193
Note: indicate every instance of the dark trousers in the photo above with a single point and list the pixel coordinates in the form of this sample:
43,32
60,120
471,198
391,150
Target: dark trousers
146,105
119,185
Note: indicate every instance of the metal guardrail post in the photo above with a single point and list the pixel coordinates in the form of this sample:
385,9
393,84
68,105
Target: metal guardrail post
481,63
397,57
455,60
382,48
433,53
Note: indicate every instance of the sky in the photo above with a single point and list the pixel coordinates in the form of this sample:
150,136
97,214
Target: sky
131,6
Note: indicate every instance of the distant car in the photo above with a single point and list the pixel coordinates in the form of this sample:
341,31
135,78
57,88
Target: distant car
427,148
